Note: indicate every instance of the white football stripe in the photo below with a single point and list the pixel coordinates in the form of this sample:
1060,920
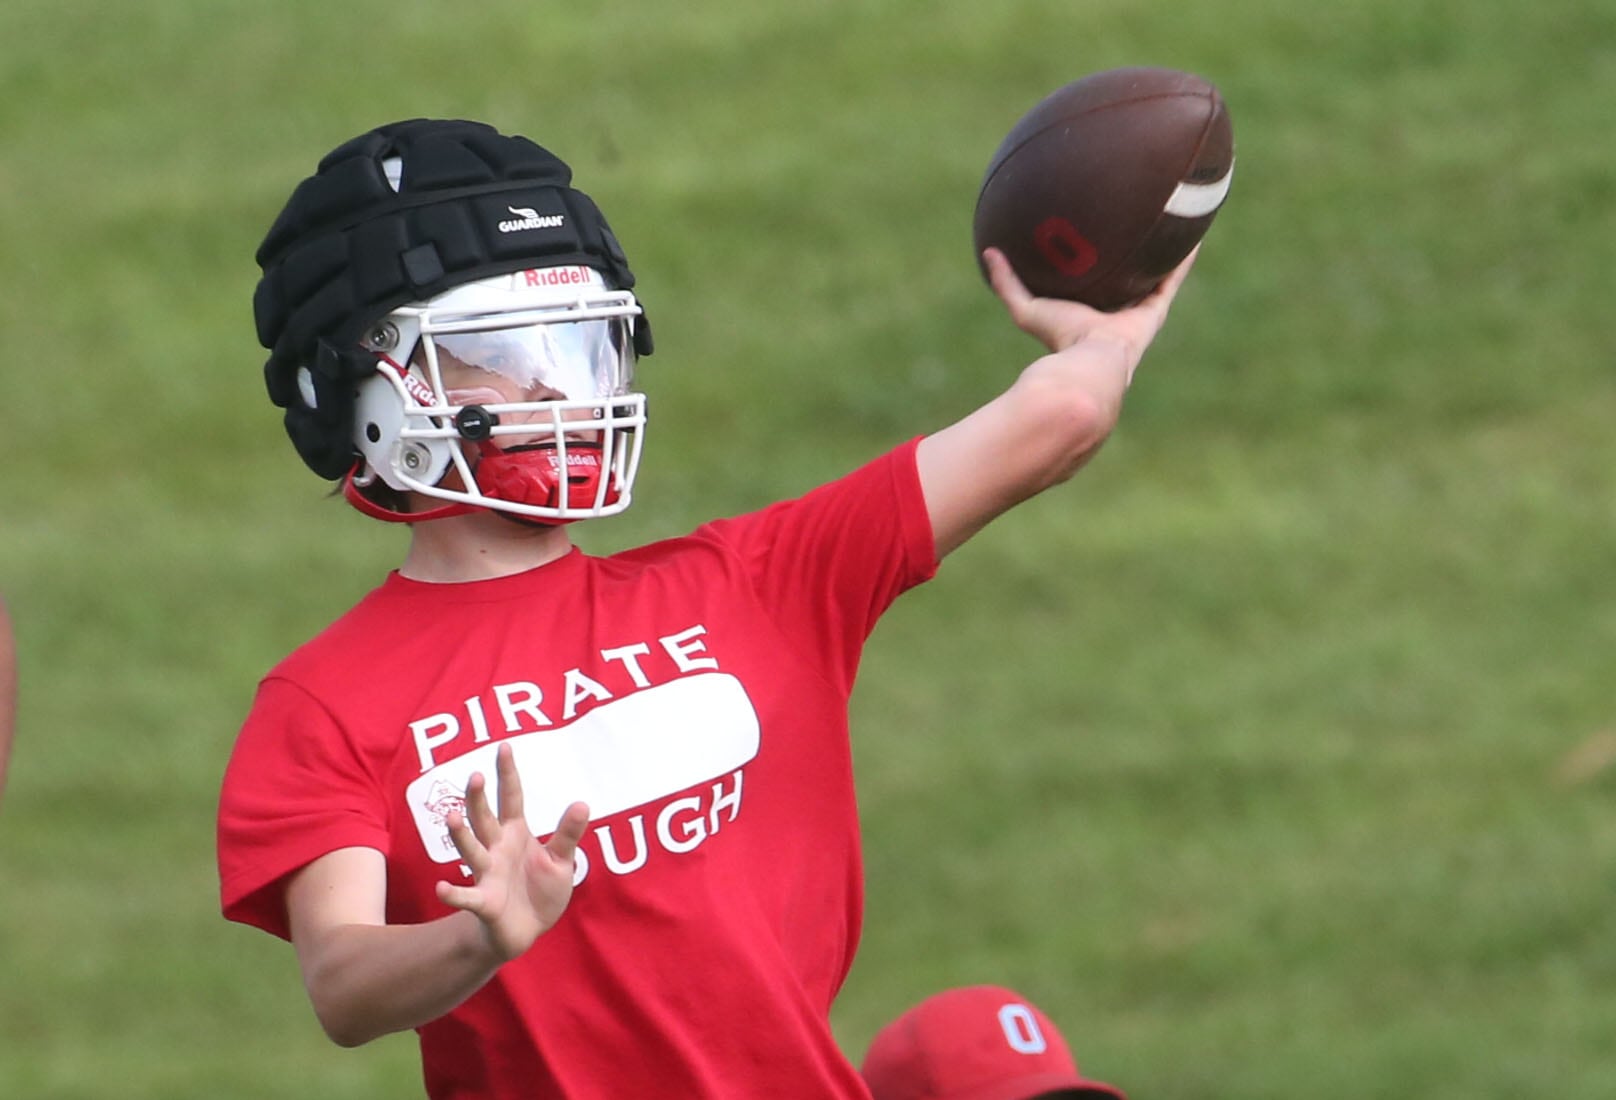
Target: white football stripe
1196,200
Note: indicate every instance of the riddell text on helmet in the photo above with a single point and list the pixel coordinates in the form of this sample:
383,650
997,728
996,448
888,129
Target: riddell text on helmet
559,276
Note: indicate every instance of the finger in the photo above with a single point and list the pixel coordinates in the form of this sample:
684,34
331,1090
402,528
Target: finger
510,784
466,843
468,898
569,831
1019,302
1005,282
1056,323
1153,307
1175,278
483,821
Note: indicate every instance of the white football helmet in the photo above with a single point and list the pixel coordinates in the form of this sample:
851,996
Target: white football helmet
512,393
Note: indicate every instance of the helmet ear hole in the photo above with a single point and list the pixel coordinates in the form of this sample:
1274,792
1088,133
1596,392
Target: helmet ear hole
373,432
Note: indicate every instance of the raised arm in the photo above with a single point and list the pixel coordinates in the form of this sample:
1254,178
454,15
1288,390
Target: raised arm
1051,420
367,978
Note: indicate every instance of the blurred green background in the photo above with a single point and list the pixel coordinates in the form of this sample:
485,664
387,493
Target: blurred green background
1273,756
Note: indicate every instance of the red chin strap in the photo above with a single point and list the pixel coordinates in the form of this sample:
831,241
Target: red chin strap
356,496
531,476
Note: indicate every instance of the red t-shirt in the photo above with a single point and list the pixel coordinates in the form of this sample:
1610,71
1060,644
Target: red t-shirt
694,693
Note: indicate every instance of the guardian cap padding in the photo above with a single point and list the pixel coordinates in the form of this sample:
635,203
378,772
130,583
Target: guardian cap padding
399,215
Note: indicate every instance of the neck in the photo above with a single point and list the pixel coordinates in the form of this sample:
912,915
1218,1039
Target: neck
479,546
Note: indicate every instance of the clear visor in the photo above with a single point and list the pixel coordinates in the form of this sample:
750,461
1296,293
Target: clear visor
558,361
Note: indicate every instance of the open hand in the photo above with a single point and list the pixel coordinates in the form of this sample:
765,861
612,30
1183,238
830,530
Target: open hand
522,887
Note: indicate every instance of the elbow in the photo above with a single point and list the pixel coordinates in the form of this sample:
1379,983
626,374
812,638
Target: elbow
344,1032
1071,423
341,1024
1086,422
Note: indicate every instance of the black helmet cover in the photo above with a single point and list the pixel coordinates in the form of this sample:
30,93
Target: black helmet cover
397,215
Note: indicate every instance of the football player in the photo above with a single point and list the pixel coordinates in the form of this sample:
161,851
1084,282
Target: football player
585,823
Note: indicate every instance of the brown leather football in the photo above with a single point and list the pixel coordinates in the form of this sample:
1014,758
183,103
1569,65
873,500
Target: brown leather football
1106,184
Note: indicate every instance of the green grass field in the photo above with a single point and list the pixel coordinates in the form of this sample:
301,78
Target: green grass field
1275,756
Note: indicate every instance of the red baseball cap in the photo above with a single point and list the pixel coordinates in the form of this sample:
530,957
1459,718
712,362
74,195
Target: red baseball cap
980,1042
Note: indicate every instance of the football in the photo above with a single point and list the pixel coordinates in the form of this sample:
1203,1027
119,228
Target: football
1107,183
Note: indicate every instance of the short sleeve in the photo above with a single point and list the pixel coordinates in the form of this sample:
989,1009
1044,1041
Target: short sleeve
828,564
294,790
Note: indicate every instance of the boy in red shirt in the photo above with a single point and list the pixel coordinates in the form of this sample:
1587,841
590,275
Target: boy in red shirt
586,824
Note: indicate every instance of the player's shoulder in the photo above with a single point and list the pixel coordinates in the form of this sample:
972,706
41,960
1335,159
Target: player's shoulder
703,547
358,630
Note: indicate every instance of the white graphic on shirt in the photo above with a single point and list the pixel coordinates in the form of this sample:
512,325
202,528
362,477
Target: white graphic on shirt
680,826
522,705
622,754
